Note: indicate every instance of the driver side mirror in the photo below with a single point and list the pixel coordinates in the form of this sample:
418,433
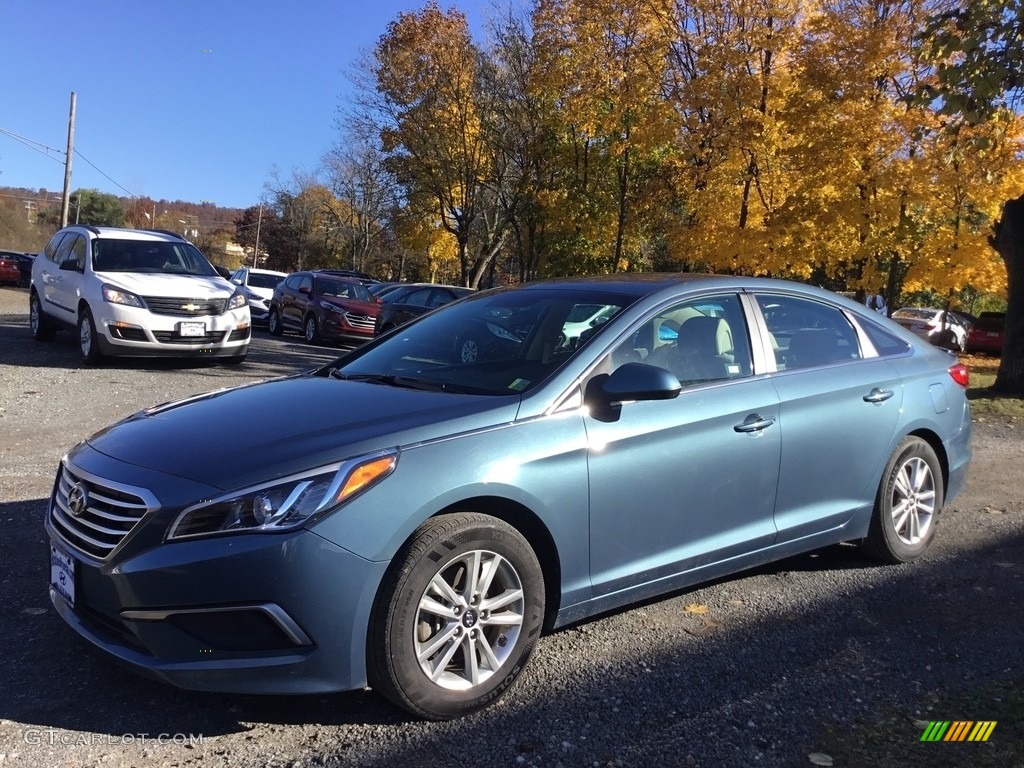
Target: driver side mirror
70,265
630,382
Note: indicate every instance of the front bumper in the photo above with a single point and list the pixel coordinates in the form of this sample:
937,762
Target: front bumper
131,331
250,613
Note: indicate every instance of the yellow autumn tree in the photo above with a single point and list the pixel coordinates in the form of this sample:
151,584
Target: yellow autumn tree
602,64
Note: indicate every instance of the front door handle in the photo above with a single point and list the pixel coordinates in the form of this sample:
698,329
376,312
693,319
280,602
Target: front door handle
877,395
754,423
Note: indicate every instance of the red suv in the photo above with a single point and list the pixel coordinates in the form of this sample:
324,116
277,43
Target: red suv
323,307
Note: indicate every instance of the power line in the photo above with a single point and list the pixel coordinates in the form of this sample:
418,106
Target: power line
102,173
35,145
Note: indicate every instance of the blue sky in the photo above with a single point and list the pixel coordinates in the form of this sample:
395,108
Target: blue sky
182,99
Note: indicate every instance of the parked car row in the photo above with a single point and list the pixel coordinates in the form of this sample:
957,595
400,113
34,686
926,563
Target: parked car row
16,268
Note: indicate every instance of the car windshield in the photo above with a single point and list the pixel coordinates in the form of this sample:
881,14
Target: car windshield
341,289
495,343
149,256
260,280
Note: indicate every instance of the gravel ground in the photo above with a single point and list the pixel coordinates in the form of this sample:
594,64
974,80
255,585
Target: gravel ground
756,670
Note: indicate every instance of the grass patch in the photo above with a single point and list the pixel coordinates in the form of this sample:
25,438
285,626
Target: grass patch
987,405
894,738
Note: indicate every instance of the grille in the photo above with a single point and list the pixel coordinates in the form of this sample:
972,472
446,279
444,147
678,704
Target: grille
170,337
109,516
364,322
184,307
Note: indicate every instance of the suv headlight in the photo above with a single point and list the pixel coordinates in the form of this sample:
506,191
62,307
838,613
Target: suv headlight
332,307
285,504
120,296
237,300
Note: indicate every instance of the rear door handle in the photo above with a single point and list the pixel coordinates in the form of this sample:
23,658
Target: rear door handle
877,395
754,423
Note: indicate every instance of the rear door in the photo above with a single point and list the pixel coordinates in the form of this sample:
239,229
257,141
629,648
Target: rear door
839,404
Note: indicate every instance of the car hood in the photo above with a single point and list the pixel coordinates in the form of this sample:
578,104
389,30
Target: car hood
186,286
353,305
236,437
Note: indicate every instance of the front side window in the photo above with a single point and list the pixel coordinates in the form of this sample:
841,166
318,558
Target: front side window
698,341
806,333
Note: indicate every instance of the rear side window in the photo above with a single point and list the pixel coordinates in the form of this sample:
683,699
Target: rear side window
806,333
886,343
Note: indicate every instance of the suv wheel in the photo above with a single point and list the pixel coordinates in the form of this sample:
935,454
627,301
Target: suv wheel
41,328
274,323
88,338
311,329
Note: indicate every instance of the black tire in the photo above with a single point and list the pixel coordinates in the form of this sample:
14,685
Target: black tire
42,330
311,329
274,323
499,638
88,338
908,503
237,359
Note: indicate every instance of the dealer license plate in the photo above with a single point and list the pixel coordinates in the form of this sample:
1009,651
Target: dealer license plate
192,329
62,573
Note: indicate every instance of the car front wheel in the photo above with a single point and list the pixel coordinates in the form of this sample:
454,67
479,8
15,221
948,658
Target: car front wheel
88,341
457,616
311,329
908,503
274,323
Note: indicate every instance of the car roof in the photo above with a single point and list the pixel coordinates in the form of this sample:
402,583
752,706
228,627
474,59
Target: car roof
125,233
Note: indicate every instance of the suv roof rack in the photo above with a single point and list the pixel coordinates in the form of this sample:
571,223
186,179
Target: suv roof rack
175,235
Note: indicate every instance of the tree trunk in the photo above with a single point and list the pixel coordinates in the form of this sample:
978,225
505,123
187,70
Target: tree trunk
1008,240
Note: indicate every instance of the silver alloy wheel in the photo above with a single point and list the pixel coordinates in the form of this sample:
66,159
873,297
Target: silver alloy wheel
33,315
85,335
311,329
468,620
913,500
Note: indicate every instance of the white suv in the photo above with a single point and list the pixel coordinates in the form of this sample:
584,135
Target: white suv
136,292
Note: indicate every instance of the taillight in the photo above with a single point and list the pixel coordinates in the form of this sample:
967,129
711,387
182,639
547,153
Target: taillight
960,375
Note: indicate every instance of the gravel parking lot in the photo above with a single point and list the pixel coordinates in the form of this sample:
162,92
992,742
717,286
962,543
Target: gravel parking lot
782,666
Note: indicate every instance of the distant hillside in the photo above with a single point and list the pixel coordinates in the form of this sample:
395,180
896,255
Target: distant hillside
21,228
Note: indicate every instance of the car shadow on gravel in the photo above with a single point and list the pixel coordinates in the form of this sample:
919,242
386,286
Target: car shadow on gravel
812,641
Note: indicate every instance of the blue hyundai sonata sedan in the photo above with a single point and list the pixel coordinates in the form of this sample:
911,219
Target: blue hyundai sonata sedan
413,518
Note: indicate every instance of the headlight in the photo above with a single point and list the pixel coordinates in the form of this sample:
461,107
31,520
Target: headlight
332,307
254,298
118,296
237,300
287,503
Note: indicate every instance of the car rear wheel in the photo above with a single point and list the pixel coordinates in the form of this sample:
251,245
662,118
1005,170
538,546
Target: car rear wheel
88,341
908,503
274,323
457,616
311,329
41,328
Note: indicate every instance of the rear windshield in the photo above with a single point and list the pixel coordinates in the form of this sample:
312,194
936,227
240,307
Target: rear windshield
149,257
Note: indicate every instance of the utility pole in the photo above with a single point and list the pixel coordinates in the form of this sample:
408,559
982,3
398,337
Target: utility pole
67,165
256,250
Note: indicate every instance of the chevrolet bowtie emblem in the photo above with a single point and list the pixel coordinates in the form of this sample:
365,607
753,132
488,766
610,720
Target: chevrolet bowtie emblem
190,307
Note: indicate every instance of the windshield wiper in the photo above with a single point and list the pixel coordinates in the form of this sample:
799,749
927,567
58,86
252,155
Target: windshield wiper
389,379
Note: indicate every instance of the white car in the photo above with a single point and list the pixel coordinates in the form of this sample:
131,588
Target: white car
929,325
136,293
259,285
